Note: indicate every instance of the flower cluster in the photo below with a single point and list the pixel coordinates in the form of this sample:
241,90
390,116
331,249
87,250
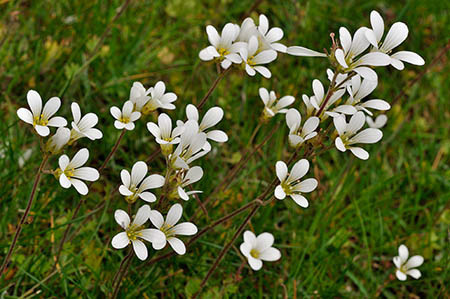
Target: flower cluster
70,171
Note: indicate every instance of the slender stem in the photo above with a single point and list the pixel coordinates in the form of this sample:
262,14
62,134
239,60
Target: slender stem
25,214
81,201
329,93
122,274
226,248
211,89
130,251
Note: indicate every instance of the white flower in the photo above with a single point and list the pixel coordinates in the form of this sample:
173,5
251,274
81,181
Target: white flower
269,38
222,46
347,57
193,175
211,118
253,60
170,228
291,184
134,185
159,99
271,105
70,172
163,133
298,135
319,97
40,118
340,78
258,249
396,35
191,146
358,90
405,266
55,143
125,119
348,135
135,232
84,127
139,96
379,122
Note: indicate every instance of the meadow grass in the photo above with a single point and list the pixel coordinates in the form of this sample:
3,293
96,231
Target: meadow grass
341,246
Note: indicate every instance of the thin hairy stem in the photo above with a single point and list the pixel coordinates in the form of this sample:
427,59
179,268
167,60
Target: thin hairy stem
121,273
329,93
122,263
25,214
211,89
81,201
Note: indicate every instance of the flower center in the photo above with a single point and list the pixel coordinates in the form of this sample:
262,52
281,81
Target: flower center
40,120
223,52
124,119
69,172
254,253
133,232
287,188
167,230
132,198
250,61
403,269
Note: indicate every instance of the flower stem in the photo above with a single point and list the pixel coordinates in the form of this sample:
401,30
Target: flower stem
329,93
211,89
121,272
80,202
25,214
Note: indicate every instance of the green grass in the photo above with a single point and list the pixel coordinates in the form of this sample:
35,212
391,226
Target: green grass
341,246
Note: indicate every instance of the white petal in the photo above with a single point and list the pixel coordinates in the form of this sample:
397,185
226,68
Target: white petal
213,35
370,35
211,118
306,186
301,51
174,214
156,218
154,129
265,57
263,26
138,172
115,112
147,196
159,245
80,158
264,95
185,229
396,35
340,57
126,178
281,170
377,104
369,135
245,249
217,136
265,72
318,89
414,261
183,195
340,124
397,261
35,102
80,186
152,181
279,192
293,119
142,215
152,235
374,59
120,240
397,64
356,122
249,237
125,191
25,115
360,42
140,249
264,241
300,200
274,35
270,255
409,57
285,101
51,107
400,275
63,161
41,130
298,170
366,73
64,181
57,121
339,144
86,173
377,24
255,264
165,125
205,55
414,273
310,125
345,39
193,175
177,245
359,153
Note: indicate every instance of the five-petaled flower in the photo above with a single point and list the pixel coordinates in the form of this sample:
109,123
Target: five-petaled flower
290,183
259,248
125,119
252,60
348,134
271,105
170,228
163,133
406,267
40,118
84,126
134,185
297,134
135,232
71,172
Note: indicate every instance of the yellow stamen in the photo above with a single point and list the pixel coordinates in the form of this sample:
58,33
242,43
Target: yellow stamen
254,253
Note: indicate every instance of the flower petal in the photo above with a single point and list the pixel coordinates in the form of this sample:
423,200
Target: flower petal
185,229
174,214
281,170
140,249
264,241
156,218
80,158
302,51
414,273
177,245
25,115
359,153
300,200
51,107
120,240
142,215
270,254
400,275
138,172
414,261
152,235
298,170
